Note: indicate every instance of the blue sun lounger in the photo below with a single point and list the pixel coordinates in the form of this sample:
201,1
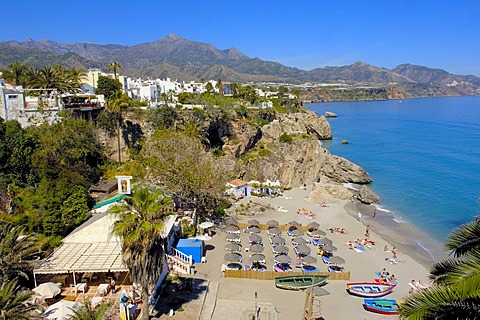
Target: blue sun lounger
326,259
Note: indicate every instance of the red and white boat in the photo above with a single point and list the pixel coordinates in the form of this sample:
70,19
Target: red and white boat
369,289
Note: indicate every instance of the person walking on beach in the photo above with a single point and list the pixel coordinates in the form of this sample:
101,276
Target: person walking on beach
374,213
394,252
367,231
359,216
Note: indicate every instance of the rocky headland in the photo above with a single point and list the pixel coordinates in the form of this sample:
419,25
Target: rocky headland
286,147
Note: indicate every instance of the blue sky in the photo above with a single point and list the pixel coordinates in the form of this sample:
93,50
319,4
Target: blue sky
304,34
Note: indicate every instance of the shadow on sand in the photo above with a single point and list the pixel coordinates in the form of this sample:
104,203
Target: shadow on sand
178,292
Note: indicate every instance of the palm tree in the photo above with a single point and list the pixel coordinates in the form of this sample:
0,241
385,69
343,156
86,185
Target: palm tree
140,225
75,78
54,77
455,293
114,66
17,251
86,312
116,104
15,305
15,73
219,86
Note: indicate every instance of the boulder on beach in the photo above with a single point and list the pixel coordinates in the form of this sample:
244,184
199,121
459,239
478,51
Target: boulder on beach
329,193
367,196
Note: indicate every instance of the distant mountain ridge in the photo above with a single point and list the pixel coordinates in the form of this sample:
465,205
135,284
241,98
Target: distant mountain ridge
178,58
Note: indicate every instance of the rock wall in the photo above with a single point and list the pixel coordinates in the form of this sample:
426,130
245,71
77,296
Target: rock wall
299,123
303,162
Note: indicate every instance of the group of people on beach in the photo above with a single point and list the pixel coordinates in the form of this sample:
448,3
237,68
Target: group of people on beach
417,285
338,230
308,214
386,277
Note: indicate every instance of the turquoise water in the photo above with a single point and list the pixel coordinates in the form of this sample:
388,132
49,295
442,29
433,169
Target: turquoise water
423,154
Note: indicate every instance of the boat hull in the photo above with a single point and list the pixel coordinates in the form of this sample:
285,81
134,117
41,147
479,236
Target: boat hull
300,282
381,306
369,289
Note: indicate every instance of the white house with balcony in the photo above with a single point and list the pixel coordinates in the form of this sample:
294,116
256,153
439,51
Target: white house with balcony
28,110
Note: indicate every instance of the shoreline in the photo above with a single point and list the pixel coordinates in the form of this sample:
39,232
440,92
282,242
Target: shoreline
411,240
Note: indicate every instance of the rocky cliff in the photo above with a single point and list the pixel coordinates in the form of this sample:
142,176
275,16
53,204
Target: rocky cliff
257,152
263,156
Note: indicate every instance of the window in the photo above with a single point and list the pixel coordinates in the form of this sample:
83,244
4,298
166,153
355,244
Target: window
12,97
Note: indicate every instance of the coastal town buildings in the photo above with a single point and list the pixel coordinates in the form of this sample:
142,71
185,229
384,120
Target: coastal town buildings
29,108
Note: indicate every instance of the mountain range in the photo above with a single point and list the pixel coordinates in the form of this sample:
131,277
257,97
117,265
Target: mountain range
179,58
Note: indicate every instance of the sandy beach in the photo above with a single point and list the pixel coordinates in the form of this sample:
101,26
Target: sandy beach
235,298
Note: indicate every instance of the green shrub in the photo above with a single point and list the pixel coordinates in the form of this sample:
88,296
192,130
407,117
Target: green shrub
218,152
286,138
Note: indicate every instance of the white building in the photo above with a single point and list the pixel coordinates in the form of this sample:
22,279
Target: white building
17,104
27,110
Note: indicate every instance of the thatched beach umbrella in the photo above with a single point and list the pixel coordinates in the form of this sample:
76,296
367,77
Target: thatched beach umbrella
309,260
256,248
233,237
255,238
337,260
232,229
253,230
274,232
313,226
231,221
277,240
329,248
258,257
324,241
317,233
303,249
253,222
232,246
272,223
233,257
282,258
281,249
299,240
294,224
296,233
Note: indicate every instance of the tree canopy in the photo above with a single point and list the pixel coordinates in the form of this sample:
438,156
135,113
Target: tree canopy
107,86
179,162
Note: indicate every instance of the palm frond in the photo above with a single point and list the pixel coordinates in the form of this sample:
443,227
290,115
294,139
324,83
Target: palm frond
454,270
464,239
431,303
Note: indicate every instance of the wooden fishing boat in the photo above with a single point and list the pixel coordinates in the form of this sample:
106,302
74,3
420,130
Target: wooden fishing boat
369,289
382,306
300,282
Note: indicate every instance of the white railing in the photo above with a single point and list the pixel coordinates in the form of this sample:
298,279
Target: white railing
180,261
186,258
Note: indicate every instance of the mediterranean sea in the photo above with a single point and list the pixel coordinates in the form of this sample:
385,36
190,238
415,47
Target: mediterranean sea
423,155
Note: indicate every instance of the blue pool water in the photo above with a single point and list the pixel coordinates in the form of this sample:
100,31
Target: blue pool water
423,154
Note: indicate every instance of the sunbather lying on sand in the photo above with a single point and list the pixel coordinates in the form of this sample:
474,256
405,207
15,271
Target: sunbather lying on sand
338,230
